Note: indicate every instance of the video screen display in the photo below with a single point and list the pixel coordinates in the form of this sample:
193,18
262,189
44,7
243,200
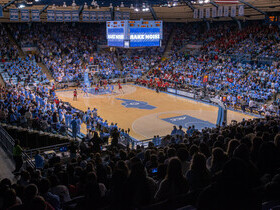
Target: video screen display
128,34
115,37
144,37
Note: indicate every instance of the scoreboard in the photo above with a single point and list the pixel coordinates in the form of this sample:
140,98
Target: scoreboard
130,33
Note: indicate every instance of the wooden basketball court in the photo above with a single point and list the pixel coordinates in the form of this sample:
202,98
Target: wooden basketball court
146,112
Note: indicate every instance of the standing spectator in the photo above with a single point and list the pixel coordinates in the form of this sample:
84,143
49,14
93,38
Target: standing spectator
17,155
39,160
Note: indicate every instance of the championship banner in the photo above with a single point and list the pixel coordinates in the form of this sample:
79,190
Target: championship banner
195,13
126,15
107,15
1,11
59,16
50,15
207,12
201,13
233,11
24,14
118,15
92,16
75,16
67,16
85,16
220,11
241,10
100,16
214,12
35,15
14,14
226,9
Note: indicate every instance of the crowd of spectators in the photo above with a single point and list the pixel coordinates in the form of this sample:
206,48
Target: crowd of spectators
139,61
215,71
23,72
231,167
8,51
65,49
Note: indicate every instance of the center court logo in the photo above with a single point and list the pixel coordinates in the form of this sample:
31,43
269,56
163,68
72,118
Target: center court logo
136,104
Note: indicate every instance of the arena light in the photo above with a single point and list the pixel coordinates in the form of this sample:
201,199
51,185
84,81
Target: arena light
111,6
206,1
85,6
37,0
122,5
21,6
131,6
64,4
136,10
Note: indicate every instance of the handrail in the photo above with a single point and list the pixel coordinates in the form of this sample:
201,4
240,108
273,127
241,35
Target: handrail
55,148
8,143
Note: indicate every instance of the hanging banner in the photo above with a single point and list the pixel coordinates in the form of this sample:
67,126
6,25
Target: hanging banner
100,16
92,16
126,15
207,12
233,11
201,13
85,16
108,15
241,10
75,16
35,15
1,11
67,16
50,15
118,15
24,14
59,16
14,14
226,9
195,13
214,12
220,11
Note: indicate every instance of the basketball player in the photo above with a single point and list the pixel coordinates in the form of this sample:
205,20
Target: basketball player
85,91
112,88
96,89
75,97
120,88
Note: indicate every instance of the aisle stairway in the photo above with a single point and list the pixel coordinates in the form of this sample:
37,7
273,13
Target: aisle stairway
21,53
119,62
169,44
2,83
46,71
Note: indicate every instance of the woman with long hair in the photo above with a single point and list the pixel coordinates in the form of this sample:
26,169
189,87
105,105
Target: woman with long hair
174,184
198,176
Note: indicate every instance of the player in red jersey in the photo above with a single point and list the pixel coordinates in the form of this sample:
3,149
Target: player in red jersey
75,97
120,88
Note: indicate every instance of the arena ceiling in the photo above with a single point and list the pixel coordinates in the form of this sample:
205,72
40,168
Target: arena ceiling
169,11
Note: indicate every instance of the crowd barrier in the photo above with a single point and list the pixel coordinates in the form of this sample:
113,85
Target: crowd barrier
32,139
181,93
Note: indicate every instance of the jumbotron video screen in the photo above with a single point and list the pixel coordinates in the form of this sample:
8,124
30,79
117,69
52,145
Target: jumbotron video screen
130,33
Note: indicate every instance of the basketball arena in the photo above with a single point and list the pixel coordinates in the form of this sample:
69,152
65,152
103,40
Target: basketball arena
143,104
